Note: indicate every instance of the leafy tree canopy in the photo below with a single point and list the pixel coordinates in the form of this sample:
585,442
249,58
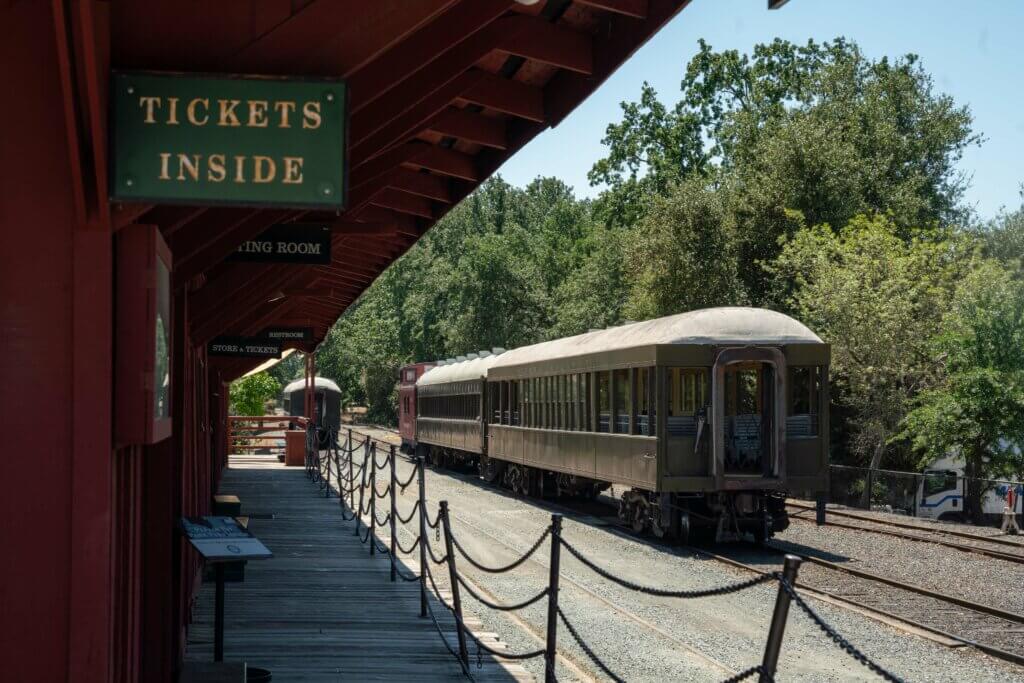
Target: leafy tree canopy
879,301
248,395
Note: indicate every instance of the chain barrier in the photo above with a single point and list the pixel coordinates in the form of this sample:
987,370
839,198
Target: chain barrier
836,637
508,567
502,608
411,548
362,480
587,650
659,592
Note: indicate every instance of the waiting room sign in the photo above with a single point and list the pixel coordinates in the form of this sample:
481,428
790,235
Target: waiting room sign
246,141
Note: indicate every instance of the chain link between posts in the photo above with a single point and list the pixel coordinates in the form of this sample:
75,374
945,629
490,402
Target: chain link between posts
322,470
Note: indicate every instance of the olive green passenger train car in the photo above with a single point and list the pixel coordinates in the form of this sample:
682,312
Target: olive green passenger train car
450,407
706,418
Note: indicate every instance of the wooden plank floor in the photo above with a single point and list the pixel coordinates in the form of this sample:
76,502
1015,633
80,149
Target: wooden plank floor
322,609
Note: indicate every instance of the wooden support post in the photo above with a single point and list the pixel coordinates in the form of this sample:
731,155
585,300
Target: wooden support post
551,650
453,577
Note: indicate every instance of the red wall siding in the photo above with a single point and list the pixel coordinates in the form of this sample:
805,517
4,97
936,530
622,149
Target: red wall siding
37,211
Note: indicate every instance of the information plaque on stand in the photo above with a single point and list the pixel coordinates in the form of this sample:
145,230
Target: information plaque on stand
220,541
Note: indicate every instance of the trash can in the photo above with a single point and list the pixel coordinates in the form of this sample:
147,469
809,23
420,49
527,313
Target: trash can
295,447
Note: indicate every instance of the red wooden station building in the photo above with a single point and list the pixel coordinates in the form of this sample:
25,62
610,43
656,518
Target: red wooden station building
114,428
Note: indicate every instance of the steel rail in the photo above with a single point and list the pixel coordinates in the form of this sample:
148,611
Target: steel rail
918,527
632,616
1009,557
890,616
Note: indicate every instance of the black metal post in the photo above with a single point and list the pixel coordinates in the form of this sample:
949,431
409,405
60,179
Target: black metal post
453,577
351,471
327,489
869,484
373,499
394,511
218,614
778,627
421,465
819,510
551,650
362,486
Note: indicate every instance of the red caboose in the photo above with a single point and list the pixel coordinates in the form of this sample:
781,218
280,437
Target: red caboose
407,403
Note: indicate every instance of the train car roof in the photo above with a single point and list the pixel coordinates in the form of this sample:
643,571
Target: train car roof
318,383
726,325
474,368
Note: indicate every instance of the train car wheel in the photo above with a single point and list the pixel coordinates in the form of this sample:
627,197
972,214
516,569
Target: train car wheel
638,520
683,532
490,469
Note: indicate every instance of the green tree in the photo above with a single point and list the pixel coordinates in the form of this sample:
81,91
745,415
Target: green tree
248,395
594,294
815,130
879,301
978,410
1004,238
682,255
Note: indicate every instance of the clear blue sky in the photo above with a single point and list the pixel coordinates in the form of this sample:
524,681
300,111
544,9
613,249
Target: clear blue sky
974,50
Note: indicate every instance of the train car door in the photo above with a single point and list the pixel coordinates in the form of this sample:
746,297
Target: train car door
748,423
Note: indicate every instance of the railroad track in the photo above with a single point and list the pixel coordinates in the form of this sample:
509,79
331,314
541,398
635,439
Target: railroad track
949,620
536,632
976,544
994,631
1018,544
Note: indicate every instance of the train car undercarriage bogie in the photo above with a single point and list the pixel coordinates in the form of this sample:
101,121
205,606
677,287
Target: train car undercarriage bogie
704,518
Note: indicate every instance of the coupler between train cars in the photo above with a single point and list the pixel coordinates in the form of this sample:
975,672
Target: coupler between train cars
703,517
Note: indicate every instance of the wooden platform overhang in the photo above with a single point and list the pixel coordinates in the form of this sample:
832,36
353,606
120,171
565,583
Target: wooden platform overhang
442,92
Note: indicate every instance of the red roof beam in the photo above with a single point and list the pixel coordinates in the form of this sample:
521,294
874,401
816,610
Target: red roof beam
537,39
470,127
507,96
630,8
403,202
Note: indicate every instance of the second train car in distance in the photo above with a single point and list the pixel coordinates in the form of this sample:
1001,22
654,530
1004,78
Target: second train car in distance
706,419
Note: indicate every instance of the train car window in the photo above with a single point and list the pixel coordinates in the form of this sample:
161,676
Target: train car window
623,400
574,406
514,402
604,401
563,402
687,393
641,424
804,399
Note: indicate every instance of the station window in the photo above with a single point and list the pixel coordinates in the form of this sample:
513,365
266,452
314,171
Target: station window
804,392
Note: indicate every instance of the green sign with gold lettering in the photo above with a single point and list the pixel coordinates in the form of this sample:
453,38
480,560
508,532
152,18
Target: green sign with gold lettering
228,140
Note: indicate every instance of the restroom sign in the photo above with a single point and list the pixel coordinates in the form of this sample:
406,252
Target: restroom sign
288,243
238,140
